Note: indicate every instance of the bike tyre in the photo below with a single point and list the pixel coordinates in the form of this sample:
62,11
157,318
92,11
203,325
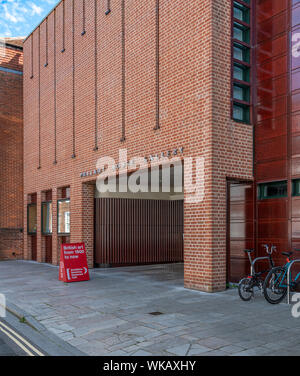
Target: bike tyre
242,283
266,282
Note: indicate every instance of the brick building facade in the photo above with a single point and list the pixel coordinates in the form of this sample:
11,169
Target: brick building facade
149,77
11,149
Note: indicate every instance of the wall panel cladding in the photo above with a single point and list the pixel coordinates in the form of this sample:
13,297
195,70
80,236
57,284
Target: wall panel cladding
11,153
143,64
272,80
277,129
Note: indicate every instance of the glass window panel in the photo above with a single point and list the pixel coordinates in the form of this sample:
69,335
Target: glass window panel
238,73
296,187
238,33
237,53
32,219
47,217
238,113
241,92
241,73
64,217
238,14
295,41
241,113
273,190
241,12
241,53
238,93
241,33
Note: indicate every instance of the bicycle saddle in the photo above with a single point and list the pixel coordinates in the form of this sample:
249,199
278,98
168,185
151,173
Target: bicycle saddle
249,250
288,254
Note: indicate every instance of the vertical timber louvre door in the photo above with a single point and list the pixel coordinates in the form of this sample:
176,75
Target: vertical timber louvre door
134,231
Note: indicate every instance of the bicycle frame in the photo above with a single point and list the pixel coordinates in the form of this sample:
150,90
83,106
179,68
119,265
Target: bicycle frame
289,276
253,262
255,277
286,270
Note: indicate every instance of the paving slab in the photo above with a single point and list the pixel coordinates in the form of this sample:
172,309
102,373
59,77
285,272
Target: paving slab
181,350
111,313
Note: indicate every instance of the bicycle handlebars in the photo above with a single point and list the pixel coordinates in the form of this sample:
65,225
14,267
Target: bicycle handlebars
273,248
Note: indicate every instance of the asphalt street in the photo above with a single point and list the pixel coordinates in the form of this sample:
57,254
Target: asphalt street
13,342
8,346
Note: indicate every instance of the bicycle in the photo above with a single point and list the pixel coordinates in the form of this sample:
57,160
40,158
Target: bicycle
247,284
275,285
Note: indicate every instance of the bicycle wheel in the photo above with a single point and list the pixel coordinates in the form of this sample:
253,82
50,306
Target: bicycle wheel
245,289
274,292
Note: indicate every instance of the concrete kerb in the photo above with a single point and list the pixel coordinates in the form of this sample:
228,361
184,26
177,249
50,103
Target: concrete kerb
40,328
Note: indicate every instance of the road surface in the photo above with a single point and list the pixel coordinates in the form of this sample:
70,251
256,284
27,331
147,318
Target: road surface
13,343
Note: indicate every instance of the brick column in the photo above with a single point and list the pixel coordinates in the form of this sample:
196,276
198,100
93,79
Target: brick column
88,194
76,213
198,239
27,249
55,248
39,228
82,217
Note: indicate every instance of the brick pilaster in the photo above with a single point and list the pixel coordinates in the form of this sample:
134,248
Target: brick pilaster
40,253
55,248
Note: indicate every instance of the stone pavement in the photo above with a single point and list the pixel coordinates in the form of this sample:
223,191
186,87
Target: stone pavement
111,314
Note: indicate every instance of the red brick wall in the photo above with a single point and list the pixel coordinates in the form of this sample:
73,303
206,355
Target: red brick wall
11,154
194,88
